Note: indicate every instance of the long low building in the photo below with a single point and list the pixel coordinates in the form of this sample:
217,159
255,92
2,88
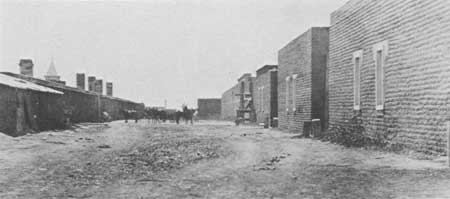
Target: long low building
30,104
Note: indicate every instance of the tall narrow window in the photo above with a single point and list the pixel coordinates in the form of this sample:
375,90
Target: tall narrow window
287,93
380,51
294,93
262,99
357,61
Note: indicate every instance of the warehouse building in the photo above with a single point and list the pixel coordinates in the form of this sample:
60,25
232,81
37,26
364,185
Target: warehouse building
302,65
389,69
266,95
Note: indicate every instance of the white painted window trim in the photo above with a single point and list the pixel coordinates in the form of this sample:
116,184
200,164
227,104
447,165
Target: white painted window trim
294,93
287,93
357,54
383,47
259,91
262,99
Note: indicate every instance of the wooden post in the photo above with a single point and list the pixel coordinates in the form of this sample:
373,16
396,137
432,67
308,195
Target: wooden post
448,144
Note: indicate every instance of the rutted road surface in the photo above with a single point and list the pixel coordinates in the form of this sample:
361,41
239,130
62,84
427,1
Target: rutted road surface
207,160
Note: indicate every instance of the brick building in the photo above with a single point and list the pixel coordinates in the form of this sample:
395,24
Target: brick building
246,109
265,95
237,102
389,66
302,80
31,104
209,109
230,103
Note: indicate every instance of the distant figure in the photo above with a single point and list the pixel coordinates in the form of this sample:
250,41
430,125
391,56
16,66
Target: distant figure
188,114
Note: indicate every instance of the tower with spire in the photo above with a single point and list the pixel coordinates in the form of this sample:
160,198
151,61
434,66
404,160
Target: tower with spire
52,75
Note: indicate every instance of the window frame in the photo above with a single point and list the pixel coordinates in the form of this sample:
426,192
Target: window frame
287,89
383,47
357,93
262,99
294,93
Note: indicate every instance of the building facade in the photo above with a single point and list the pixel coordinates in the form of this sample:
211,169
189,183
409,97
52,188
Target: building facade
389,67
266,96
302,88
246,110
230,103
209,109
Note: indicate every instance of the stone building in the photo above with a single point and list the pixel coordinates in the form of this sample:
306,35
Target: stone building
209,109
230,102
302,67
266,96
389,68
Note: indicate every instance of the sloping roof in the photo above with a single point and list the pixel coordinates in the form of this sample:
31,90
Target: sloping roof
57,86
23,84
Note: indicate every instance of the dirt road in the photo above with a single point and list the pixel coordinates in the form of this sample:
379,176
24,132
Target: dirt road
207,160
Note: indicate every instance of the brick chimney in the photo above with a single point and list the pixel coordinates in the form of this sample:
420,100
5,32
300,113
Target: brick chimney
81,79
109,88
26,67
91,83
99,86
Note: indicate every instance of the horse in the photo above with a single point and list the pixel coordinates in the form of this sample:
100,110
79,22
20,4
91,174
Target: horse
187,114
129,114
152,114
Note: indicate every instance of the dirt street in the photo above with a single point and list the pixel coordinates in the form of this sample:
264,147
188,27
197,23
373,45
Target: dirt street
206,160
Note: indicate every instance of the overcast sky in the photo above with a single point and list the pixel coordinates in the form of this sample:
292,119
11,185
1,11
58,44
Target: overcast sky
155,50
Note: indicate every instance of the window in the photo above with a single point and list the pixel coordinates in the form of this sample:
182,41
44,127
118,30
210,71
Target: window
262,99
294,93
357,62
380,52
287,93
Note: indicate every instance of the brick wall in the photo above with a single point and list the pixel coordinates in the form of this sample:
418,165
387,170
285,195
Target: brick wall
265,94
48,109
230,103
8,104
305,57
209,109
416,70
